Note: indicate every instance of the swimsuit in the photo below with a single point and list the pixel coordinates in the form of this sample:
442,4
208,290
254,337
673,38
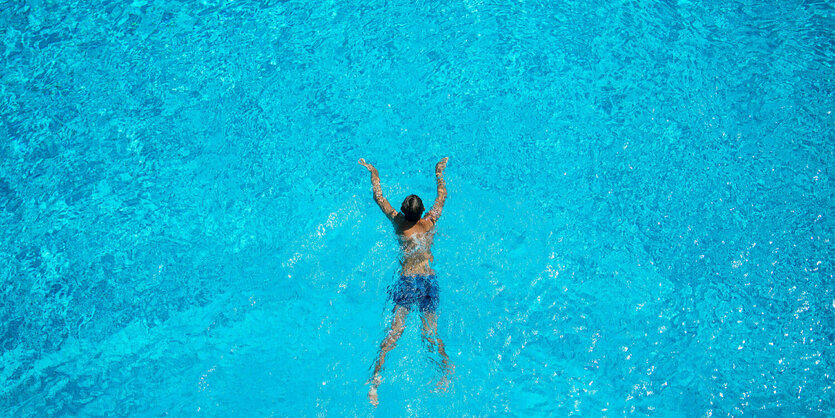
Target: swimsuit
420,289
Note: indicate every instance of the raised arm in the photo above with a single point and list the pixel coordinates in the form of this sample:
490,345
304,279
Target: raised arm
435,212
378,191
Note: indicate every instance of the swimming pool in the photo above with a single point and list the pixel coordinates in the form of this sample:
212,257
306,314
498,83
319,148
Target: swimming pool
638,221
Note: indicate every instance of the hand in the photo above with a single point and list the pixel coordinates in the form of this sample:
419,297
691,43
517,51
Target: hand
366,165
439,168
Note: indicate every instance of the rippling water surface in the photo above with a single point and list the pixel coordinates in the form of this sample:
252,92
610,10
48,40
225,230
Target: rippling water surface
639,216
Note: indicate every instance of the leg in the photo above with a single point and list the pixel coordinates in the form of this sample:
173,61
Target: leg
430,336
397,326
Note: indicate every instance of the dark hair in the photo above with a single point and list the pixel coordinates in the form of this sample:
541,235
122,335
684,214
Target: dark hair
412,208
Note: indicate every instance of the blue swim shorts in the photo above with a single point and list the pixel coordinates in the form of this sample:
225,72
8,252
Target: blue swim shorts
420,289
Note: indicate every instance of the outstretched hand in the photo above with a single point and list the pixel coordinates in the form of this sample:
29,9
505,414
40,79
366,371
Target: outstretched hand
439,168
366,165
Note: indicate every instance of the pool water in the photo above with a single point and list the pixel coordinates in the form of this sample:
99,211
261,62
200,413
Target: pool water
639,217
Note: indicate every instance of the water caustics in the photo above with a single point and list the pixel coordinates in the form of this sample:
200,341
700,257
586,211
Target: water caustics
638,217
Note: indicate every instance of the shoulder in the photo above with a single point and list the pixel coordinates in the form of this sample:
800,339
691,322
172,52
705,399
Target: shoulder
427,223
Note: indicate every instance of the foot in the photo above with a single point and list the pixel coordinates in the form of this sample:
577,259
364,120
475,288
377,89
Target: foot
443,384
372,396
372,392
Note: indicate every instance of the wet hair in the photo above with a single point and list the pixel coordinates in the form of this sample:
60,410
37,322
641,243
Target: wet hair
412,208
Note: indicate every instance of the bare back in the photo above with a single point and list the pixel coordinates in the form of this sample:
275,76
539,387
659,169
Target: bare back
415,245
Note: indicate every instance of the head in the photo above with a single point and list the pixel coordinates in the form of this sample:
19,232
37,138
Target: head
412,208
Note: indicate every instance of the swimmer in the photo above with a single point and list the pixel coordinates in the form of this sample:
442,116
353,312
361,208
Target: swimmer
417,284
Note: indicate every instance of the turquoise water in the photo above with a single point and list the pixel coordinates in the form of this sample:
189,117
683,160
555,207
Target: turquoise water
639,217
